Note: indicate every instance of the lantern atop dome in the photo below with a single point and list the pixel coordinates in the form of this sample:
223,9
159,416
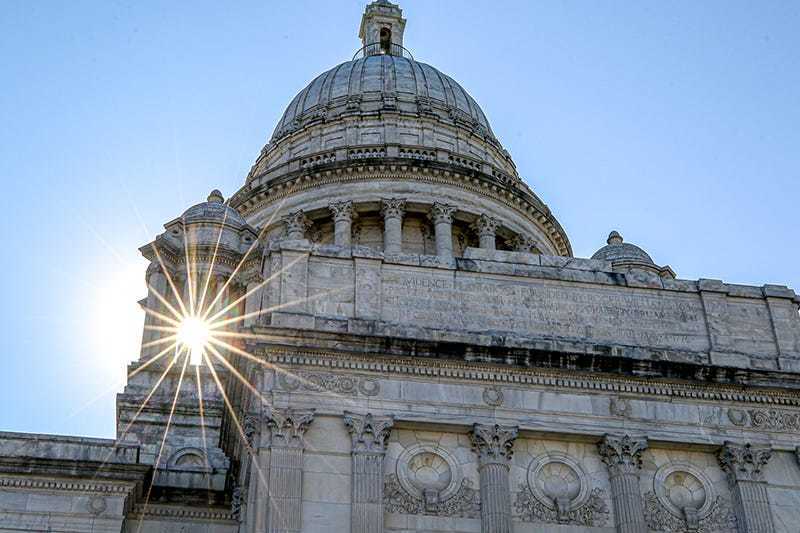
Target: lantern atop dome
382,28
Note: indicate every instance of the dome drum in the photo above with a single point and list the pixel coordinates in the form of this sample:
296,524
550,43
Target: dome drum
366,226
472,194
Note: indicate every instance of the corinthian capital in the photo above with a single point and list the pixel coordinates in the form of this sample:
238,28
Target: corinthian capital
393,207
296,224
341,210
369,433
442,212
622,454
288,426
485,225
744,462
493,443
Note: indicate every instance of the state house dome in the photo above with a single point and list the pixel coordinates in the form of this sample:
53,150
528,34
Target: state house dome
383,82
385,126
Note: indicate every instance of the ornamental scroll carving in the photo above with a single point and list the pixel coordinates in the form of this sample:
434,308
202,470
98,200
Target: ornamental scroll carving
465,503
324,382
766,419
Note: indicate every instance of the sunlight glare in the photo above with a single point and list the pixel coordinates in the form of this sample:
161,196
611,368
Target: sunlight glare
193,335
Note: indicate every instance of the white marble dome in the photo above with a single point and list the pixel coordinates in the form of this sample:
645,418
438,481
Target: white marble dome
385,126
383,82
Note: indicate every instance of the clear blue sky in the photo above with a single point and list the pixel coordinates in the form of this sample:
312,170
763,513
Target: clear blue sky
677,123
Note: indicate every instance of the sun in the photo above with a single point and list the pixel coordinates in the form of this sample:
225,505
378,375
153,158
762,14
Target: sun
193,335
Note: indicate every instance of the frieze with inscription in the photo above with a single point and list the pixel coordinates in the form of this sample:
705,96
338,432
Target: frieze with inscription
470,302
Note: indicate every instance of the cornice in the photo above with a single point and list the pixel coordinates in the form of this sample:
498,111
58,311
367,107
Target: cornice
157,511
588,383
120,488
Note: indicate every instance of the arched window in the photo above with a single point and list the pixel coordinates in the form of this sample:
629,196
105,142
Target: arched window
386,41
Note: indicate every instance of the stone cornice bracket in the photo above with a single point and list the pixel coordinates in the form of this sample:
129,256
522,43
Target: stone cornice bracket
288,426
494,444
393,207
744,462
485,225
369,433
442,213
296,224
622,454
341,211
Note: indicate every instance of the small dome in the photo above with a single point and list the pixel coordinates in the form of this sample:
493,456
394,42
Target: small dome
214,211
377,82
616,250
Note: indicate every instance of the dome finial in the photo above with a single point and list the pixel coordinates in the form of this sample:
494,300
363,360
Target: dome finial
216,197
382,28
614,238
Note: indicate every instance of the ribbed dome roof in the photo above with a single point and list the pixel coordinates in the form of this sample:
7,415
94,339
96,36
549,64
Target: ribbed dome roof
214,210
378,82
617,250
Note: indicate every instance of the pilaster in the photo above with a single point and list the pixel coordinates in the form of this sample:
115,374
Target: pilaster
369,434
285,483
494,445
744,464
623,456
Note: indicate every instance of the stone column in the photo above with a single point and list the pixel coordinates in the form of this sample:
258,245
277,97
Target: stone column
442,217
296,225
744,464
623,456
393,210
343,220
369,434
494,445
286,468
486,227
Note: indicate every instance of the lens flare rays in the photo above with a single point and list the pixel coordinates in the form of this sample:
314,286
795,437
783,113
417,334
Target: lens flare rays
195,319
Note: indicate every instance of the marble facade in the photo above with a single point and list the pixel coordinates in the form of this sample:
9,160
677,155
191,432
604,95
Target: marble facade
413,347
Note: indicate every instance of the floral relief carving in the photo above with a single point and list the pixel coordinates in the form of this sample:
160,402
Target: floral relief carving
593,513
719,520
324,382
766,419
465,503
493,396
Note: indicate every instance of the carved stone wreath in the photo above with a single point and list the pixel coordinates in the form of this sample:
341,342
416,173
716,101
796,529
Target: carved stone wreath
465,503
683,500
557,491
428,480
